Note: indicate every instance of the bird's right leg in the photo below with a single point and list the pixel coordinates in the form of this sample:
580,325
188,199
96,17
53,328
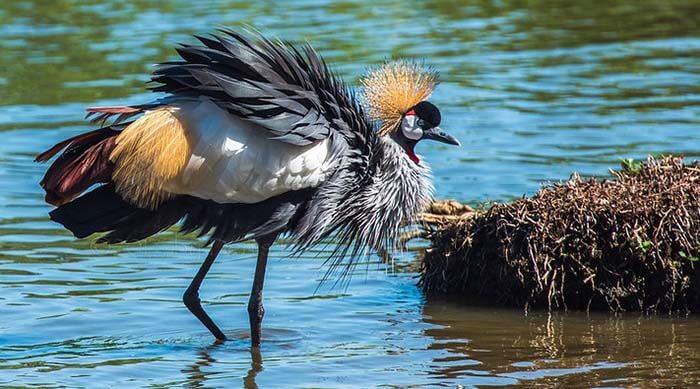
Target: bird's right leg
191,296
255,305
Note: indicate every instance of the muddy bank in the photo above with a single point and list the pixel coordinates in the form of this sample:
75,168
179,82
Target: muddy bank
631,242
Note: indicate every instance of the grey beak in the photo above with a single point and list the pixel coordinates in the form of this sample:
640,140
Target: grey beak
436,133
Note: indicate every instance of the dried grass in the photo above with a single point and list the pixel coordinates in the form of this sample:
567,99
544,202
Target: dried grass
631,243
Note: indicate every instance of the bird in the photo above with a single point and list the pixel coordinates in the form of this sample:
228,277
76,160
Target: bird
251,138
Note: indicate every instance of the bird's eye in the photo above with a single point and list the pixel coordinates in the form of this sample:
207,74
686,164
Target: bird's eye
421,123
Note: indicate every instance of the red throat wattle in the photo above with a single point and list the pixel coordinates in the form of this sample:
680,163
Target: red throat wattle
411,154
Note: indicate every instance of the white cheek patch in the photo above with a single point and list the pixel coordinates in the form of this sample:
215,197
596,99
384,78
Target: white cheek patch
410,129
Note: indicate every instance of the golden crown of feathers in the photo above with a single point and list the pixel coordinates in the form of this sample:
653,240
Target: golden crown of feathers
394,88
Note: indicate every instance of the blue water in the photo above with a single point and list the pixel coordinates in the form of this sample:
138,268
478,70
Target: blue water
534,91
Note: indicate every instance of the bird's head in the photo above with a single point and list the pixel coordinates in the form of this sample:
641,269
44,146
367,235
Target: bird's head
396,96
419,123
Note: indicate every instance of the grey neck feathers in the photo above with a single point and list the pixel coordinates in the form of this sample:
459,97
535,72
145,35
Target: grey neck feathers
366,211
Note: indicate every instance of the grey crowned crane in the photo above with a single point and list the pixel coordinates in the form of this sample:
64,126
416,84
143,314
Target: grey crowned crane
254,138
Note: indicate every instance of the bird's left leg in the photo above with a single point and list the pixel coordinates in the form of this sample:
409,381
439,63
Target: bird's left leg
255,306
191,296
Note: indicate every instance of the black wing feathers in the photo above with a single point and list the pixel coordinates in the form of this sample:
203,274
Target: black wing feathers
103,210
291,93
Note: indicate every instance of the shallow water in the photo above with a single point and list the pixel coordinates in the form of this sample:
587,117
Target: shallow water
533,92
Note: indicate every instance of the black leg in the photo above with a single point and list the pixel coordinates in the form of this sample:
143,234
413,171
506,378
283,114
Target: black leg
255,306
191,296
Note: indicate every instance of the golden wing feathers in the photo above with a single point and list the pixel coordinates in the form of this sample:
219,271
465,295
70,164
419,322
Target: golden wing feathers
150,153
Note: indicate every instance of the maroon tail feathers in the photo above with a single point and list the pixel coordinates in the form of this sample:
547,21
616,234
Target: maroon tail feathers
84,162
101,114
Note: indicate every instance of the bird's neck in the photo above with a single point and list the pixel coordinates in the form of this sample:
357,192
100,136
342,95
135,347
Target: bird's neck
368,208
408,145
400,190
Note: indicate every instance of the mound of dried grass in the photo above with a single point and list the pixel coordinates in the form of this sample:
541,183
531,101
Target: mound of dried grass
630,243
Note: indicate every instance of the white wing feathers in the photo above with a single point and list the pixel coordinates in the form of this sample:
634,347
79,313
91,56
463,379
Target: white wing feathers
194,147
235,161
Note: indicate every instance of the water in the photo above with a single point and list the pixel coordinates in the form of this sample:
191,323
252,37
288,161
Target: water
533,90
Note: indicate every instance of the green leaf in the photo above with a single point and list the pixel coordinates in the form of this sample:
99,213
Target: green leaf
645,245
630,165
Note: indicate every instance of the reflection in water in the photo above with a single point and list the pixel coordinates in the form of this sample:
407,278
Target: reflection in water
562,347
195,376
207,367
255,368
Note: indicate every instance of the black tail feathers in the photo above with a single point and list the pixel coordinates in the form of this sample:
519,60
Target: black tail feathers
103,210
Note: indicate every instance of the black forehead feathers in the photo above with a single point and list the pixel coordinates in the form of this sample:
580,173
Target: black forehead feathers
428,112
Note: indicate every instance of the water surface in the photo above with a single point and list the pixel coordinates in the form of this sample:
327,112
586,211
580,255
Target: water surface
533,90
